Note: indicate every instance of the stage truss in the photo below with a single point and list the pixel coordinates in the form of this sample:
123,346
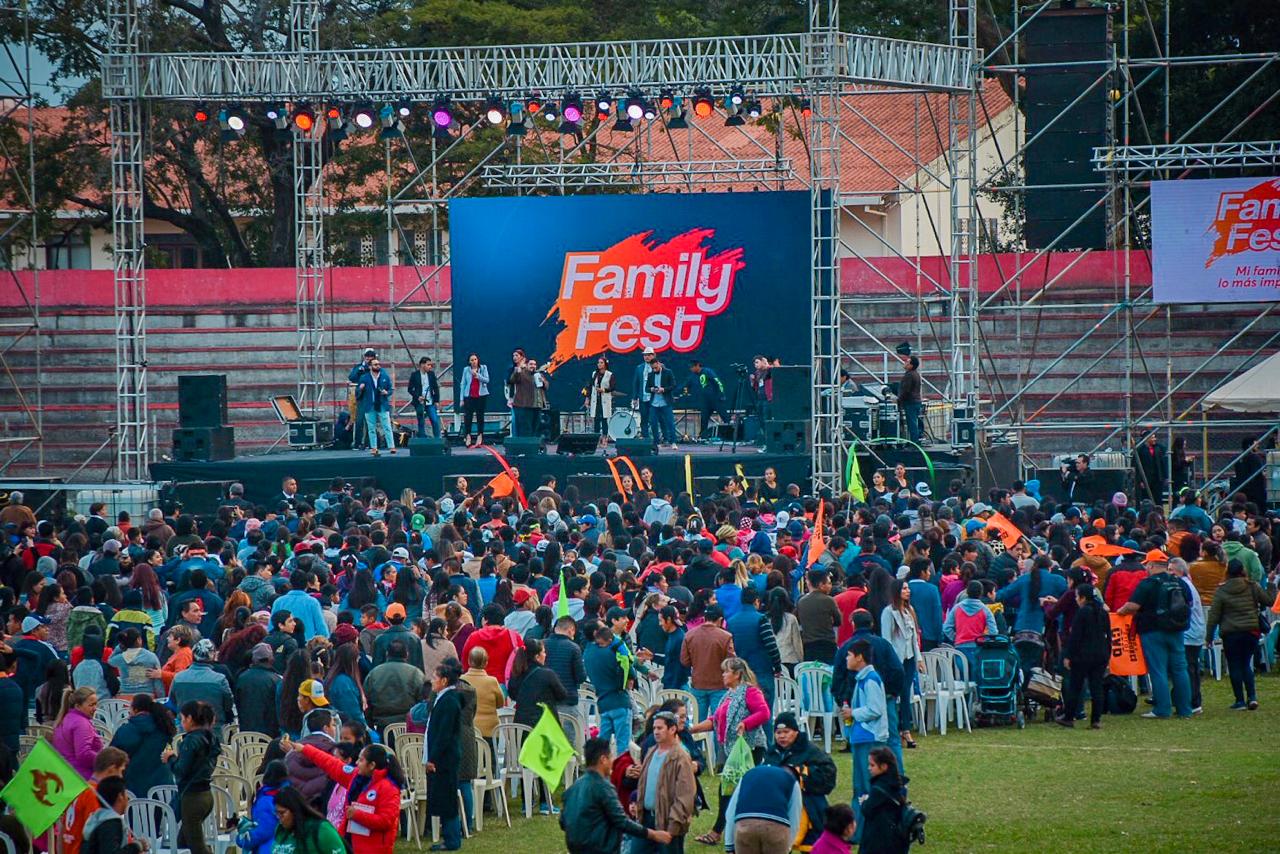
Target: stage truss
951,320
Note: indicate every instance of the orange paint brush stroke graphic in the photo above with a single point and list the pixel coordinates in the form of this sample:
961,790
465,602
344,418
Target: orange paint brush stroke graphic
1247,221
639,293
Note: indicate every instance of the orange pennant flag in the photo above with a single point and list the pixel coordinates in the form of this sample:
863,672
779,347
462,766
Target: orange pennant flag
818,542
502,485
1008,531
1098,545
1126,650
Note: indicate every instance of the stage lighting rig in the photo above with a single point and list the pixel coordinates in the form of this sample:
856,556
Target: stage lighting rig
200,114
493,110
304,118
737,96
677,115
703,105
516,122
364,117
604,105
636,106
571,112
390,123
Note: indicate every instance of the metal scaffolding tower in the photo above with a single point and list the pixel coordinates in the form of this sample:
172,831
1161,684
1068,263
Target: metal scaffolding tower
308,213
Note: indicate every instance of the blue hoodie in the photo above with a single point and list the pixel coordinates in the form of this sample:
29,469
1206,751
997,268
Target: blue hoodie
257,833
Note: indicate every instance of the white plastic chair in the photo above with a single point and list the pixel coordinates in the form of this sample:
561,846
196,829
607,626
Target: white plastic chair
166,793
577,737
951,678
111,714
216,836
392,732
587,706
509,739
690,702
153,820
786,695
816,702
487,782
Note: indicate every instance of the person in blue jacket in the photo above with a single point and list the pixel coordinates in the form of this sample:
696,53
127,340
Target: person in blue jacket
374,393
1026,591
357,375
257,831
342,684
927,601
674,674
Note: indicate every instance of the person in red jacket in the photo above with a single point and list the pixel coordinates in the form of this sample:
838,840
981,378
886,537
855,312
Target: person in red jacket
497,640
371,818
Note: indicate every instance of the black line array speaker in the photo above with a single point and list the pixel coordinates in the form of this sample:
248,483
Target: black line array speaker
428,446
578,443
202,400
1062,140
792,392
203,444
524,446
785,436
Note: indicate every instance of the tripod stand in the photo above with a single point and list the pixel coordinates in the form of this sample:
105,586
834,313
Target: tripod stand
735,417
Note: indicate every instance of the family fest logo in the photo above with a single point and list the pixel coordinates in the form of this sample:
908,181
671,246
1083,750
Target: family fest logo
1246,221
639,293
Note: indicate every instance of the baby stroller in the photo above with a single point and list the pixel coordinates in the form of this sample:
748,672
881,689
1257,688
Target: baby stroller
999,681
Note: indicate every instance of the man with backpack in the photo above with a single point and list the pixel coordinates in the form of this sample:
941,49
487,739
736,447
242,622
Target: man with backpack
1162,605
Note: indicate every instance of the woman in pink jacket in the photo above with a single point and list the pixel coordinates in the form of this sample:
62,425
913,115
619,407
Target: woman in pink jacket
743,713
73,734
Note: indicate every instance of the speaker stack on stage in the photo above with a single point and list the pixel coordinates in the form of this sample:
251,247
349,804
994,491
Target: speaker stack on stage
428,446
524,446
637,447
790,413
203,434
577,444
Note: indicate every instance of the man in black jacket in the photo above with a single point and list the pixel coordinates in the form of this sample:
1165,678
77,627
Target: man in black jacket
424,392
815,770
256,692
701,572
661,386
564,657
592,819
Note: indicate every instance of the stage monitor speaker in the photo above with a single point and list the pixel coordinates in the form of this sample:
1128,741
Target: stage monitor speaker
202,400
964,431
638,447
428,446
524,446
310,433
1103,484
792,392
578,443
204,444
785,436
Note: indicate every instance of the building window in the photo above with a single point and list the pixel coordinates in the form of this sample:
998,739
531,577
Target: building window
69,251
987,236
173,252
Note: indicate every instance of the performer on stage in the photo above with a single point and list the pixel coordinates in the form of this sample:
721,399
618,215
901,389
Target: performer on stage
762,388
541,403
599,394
424,392
909,399
475,395
354,403
640,392
517,366
374,394
661,386
708,392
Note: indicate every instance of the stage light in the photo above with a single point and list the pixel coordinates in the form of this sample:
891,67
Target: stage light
200,114
635,106
441,112
549,112
666,98
225,132
404,109
236,118
274,112
364,116
604,105
493,110
571,108
390,123
754,110
735,118
806,108
650,111
678,118
737,96
304,118
533,105
516,124
623,124
337,127
703,106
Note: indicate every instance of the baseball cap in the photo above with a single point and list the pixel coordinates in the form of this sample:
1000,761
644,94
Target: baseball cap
923,490
395,609
262,653
369,351
522,595
787,720
616,613
111,546
33,622
1156,556
400,553
418,522
313,690
978,509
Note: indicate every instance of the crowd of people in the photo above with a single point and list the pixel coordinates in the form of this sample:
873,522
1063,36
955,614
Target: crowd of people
319,621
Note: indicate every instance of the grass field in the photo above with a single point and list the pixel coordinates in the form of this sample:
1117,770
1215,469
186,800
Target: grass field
1137,785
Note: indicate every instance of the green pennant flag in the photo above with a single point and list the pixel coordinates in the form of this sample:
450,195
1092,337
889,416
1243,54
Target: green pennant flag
43,788
546,750
562,598
856,487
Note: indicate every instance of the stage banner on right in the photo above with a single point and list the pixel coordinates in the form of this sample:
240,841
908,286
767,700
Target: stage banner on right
1216,240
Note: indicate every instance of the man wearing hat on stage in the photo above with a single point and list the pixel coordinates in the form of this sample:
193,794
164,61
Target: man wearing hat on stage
358,373
640,395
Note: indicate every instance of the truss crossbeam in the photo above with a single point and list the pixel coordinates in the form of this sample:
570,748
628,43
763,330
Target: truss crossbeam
652,174
769,65
1183,155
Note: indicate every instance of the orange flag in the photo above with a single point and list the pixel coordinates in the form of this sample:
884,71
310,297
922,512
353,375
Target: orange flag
1008,531
502,485
613,470
818,542
1098,545
1126,651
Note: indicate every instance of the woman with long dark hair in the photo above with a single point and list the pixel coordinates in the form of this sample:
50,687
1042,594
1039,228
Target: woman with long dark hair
192,765
236,651
226,624
363,592
144,736
532,683
436,646
301,828
901,628
786,628
882,809
343,685
409,592
296,671
457,626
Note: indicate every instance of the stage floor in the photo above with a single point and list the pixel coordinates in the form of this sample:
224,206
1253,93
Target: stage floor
200,484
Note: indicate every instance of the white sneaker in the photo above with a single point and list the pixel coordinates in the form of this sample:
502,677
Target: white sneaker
1150,715
1198,710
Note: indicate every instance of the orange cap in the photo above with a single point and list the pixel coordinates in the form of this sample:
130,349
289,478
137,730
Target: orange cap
1156,556
395,609
1099,523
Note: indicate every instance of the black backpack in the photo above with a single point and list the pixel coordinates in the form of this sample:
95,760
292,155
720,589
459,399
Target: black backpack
1173,606
910,824
1120,696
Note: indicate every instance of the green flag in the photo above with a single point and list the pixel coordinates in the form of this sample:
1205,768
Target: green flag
562,599
43,788
546,751
856,487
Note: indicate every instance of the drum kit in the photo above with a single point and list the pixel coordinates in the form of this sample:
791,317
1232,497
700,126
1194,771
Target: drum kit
623,424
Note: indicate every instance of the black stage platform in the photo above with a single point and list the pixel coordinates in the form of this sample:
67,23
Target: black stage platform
199,484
